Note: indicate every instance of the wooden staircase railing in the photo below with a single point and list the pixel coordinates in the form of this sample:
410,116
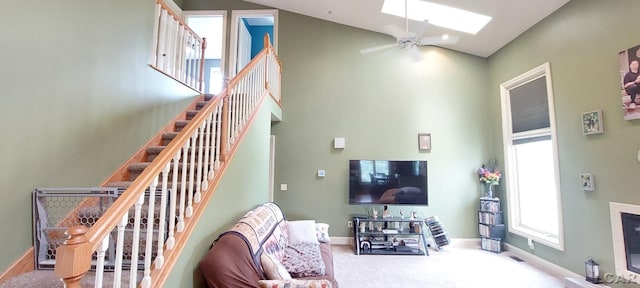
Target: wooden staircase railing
178,52
194,160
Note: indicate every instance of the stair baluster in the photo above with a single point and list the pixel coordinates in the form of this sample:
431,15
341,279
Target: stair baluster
226,119
146,280
192,172
117,272
135,243
207,151
162,217
173,198
183,186
100,253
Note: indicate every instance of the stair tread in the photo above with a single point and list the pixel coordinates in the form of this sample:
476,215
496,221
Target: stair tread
182,123
138,166
155,149
169,135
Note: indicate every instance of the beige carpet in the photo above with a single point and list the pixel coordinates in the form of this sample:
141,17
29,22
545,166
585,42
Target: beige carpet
449,268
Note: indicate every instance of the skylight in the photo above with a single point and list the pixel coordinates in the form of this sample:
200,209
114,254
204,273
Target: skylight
437,14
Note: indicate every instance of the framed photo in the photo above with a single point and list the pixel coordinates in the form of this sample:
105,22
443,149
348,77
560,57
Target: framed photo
424,141
586,182
630,82
592,122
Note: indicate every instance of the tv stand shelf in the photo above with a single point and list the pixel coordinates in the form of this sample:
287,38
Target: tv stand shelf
389,236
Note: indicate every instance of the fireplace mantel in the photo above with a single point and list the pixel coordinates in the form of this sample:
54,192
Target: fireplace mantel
631,215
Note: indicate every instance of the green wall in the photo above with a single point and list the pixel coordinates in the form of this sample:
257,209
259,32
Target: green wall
379,103
242,188
581,42
75,75
78,99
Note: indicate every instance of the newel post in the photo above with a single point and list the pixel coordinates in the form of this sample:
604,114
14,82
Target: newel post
73,259
267,43
202,59
224,134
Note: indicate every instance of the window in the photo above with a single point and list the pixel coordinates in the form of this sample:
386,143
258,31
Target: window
531,157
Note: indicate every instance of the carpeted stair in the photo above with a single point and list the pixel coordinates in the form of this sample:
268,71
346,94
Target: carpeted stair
152,151
47,278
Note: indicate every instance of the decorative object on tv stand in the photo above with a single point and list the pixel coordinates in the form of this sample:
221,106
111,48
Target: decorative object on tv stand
386,213
592,122
592,271
587,182
489,175
424,141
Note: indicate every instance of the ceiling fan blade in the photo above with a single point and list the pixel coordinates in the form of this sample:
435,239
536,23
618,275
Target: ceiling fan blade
437,40
377,48
414,53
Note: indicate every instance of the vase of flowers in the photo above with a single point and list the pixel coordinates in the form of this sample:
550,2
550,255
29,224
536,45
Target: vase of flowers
489,176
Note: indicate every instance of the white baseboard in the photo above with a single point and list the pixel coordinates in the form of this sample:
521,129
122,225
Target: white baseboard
464,243
570,282
543,264
342,241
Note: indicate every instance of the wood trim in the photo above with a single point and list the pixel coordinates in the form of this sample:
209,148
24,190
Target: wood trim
24,264
128,198
75,256
159,276
138,156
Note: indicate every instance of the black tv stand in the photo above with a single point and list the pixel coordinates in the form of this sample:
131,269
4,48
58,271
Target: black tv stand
389,236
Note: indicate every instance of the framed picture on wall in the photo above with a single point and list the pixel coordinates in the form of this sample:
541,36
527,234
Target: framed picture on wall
424,141
629,60
592,122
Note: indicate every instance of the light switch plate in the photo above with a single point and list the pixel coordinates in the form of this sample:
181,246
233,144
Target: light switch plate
283,187
321,173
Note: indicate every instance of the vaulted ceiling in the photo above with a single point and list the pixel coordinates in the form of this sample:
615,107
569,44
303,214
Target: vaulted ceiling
510,18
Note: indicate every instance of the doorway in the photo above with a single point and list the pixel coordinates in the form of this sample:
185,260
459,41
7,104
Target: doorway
212,26
247,31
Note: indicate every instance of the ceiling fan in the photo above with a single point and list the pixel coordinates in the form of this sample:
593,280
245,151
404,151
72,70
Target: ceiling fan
408,41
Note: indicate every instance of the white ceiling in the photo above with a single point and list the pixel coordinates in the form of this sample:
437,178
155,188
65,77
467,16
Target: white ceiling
510,18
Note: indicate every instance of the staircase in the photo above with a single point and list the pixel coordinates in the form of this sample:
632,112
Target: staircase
170,180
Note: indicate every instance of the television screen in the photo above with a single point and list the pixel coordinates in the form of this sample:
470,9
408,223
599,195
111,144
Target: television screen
387,182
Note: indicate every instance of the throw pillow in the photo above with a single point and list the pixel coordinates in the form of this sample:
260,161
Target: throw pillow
295,283
273,268
322,232
304,260
302,231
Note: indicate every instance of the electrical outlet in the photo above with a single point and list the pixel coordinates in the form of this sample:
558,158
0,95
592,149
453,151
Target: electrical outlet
349,224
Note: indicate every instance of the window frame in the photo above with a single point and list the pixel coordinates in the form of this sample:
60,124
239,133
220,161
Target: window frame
515,226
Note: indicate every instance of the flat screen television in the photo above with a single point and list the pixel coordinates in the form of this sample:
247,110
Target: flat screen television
388,182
